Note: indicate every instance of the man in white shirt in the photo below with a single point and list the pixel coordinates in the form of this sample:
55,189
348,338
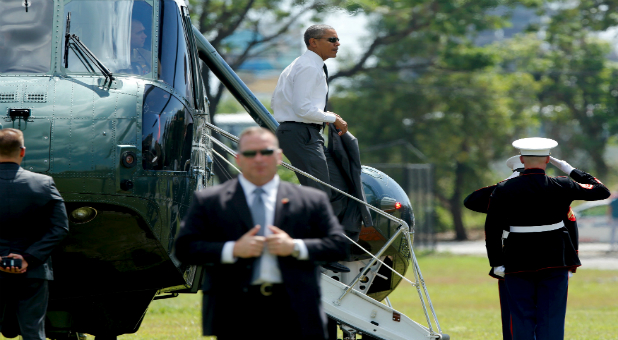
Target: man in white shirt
299,105
260,241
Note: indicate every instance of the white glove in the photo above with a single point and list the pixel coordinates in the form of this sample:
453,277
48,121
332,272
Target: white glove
499,271
513,175
562,165
570,274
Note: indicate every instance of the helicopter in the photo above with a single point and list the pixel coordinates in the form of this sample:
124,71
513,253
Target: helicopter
109,96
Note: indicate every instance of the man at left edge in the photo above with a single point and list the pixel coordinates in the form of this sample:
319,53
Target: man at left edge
33,222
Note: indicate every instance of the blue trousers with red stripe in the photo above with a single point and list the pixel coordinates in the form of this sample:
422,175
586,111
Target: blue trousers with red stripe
505,311
537,302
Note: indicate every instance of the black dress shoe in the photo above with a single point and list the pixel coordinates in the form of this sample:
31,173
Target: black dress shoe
336,267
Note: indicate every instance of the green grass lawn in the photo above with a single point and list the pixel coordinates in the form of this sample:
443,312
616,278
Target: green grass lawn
464,296
467,305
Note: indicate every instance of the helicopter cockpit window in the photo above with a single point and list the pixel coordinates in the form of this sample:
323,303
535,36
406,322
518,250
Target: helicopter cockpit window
26,36
119,33
175,66
167,128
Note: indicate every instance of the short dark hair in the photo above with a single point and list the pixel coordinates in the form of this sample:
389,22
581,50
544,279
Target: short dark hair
256,130
316,31
11,142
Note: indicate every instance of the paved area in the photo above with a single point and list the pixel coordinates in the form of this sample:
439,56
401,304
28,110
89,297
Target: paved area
592,255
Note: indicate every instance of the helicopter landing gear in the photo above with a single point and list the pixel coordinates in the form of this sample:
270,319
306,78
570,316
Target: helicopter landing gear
349,333
105,337
71,336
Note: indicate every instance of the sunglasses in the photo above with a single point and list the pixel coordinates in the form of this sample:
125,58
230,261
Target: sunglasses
252,153
331,39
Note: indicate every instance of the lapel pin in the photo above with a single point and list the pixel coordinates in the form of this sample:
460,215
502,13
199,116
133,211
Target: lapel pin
285,201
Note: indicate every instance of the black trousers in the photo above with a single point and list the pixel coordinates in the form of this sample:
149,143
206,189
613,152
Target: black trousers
23,303
264,317
538,301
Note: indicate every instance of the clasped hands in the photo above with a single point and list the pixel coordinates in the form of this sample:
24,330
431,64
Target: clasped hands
250,245
15,270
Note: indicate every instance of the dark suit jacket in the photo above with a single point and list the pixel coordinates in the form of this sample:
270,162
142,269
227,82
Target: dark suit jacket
33,219
346,153
221,214
534,199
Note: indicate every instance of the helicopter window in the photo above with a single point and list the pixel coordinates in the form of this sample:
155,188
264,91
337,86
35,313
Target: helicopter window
26,36
167,128
117,32
174,52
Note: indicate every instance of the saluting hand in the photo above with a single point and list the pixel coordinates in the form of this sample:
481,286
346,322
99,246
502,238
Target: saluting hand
279,242
249,245
562,165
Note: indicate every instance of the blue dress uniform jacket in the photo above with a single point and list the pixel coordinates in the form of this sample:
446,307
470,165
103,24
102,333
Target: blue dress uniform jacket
535,199
479,201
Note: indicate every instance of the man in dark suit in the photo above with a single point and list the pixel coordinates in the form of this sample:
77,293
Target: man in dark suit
33,221
538,252
261,241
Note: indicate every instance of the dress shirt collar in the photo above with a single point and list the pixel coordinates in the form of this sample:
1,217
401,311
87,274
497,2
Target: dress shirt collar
314,58
248,187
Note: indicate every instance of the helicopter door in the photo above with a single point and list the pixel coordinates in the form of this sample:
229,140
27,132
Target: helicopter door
174,55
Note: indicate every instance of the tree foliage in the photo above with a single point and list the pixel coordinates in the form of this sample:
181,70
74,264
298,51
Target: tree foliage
440,93
419,79
578,86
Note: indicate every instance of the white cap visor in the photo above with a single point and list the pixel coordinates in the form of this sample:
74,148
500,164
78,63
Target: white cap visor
514,163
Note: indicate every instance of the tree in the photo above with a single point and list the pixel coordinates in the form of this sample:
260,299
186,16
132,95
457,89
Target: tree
461,109
578,95
461,121
415,49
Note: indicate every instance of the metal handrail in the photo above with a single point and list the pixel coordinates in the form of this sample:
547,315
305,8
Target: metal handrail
290,167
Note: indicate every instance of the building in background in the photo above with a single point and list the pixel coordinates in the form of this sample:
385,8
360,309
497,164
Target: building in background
261,71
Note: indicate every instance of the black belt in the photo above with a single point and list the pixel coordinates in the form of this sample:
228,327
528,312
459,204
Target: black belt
315,126
267,289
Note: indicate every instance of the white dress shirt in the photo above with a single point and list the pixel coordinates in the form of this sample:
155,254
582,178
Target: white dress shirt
270,266
300,95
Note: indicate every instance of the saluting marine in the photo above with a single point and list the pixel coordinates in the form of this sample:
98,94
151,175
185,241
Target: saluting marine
479,201
539,250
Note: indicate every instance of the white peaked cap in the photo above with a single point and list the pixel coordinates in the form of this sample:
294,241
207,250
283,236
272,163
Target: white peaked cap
535,146
514,163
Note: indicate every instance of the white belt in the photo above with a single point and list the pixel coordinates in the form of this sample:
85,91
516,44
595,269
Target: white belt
537,228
